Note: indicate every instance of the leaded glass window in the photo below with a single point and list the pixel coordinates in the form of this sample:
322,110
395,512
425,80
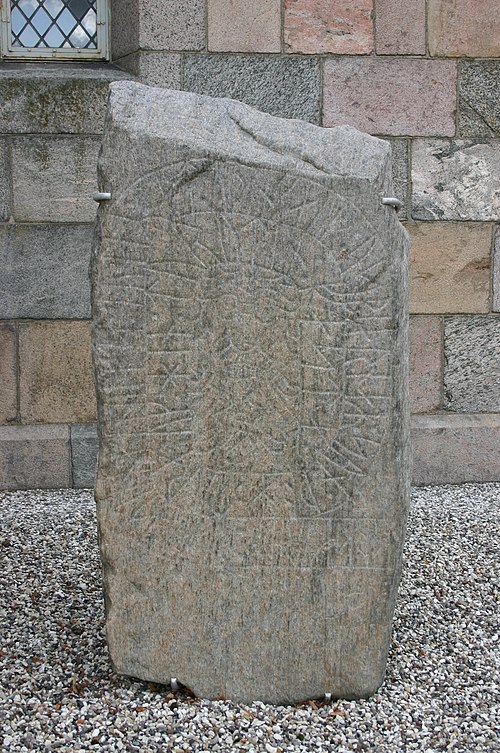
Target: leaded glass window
54,29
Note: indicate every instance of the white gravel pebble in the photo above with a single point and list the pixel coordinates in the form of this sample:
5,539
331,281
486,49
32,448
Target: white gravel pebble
60,693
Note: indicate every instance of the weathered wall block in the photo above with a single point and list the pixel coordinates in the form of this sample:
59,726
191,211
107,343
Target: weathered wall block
400,169
496,272
5,181
57,381
455,180
472,364
61,99
426,378
8,372
34,457
154,68
395,97
450,267
479,98
54,178
124,32
45,271
400,27
462,27
287,87
84,447
455,449
172,25
336,26
244,26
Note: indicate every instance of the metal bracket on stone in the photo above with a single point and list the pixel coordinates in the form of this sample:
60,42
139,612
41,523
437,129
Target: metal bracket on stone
101,196
392,201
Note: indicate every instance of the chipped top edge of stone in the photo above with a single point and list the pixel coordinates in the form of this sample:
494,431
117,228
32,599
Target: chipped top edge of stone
221,122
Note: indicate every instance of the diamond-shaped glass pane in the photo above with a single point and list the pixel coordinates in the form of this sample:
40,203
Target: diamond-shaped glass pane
54,23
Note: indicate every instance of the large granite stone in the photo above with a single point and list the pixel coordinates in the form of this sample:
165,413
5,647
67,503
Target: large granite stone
479,98
250,343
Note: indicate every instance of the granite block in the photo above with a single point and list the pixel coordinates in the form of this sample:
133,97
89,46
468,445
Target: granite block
124,29
426,378
455,449
244,26
171,25
455,180
34,457
394,97
84,447
496,272
57,380
400,168
450,267
472,364
287,87
479,98
400,27
154,68
45,271
337,26
5,181
8,372
63,98
250,344
54,178
459,28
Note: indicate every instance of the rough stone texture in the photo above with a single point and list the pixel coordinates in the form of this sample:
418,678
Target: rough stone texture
479,98
39,98
34,457
426,376
56,382
397,97
124,29
462,27
5,189
244,25
455,180
8,369
154,68
54,178
455,449
84,446
250,348
338,26
45,271
171,24
450,267
496,273
472,364
286,87
400,172
400,27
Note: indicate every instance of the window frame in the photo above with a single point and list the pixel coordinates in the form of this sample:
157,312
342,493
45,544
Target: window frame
9,52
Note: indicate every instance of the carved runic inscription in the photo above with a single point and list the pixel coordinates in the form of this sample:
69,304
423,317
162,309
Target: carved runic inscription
249,300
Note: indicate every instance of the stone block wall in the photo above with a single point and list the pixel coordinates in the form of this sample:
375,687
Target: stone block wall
425,75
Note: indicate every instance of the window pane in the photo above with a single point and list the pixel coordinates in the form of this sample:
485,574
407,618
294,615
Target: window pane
54,23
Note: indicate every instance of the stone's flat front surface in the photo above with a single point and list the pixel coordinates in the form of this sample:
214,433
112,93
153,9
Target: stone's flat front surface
249,301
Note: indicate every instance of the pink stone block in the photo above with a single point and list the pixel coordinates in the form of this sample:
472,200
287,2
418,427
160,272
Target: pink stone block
400,27
339,26
393,97
425,363
244,25
464,27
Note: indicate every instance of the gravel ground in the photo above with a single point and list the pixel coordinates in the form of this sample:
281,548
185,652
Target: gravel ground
60,693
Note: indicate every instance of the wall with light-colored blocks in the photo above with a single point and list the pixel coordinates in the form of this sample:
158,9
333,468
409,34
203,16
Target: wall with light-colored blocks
423,74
